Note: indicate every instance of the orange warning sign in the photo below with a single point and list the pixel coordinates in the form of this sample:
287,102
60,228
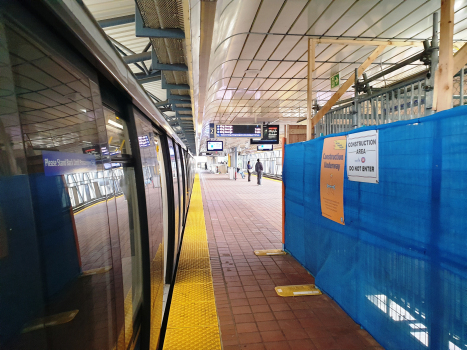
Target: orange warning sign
332,179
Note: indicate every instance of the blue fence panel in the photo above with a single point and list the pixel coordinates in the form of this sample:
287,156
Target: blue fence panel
398,267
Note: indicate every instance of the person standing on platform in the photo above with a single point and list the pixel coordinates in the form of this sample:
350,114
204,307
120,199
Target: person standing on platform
250,169
259,171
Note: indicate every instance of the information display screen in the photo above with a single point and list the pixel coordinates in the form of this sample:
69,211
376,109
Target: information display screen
265,148
215,146
238,130
271,134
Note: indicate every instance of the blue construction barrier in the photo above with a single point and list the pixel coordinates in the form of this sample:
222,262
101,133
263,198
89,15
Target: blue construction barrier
399,265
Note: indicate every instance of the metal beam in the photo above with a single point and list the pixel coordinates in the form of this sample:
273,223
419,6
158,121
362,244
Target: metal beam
111,22
139,57
174,86
368,42
181,109
141,31
162,103
165,66
149,79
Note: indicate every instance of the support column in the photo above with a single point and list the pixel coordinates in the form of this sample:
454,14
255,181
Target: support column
309,96
445,81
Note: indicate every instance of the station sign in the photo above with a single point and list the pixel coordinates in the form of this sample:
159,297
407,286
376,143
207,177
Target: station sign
223,130
363,157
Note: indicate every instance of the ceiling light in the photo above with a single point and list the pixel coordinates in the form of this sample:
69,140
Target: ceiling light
111,122
83,110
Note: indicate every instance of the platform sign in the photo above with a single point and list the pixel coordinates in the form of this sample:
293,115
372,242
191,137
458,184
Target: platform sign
332,179
61,163
335,81
211,131
223,130
363,157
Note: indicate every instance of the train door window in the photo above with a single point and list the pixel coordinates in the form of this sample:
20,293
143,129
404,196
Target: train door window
181,190
156,203
121,175
56,276
175,180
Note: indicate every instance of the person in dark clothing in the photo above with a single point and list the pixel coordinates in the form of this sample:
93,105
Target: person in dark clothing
250,169
205,166
259,171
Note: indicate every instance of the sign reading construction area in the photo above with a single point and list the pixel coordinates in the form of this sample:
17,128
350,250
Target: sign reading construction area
363,157
332,179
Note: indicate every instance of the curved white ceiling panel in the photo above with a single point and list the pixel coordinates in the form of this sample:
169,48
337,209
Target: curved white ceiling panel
258,62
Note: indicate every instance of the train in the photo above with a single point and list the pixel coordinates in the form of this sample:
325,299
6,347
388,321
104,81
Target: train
95,187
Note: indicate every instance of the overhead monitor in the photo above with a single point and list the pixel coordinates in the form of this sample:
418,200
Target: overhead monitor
238,130
268,147
271,134
215,146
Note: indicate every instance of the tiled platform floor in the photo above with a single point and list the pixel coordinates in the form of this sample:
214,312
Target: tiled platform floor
241,217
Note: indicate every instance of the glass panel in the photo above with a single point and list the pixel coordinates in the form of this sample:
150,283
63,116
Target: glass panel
151,159
122,175
176,194
65,297
180,188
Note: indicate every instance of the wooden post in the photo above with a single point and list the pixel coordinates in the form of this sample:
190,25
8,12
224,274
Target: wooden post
446,61
344,87
309,96
284,141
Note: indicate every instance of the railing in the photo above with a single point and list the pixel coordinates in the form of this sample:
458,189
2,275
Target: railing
403,101
272,162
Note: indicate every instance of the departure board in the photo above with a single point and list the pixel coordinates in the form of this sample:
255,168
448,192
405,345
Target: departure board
238,130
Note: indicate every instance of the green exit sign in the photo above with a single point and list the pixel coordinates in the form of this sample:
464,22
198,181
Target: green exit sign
335,81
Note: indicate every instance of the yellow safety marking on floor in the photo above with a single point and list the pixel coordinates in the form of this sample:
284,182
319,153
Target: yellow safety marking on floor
270,252
297,291
193,322
96,271
48,321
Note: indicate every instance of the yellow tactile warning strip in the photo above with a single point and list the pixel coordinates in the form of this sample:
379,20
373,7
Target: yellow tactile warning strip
193,322
270,252
297,291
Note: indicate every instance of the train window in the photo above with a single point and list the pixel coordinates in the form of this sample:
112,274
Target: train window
57,284
156,203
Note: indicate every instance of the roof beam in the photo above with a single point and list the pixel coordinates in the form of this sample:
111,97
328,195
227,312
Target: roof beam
165,66
141,31
345,86
112,22
368,42
174,86
149,79
139,57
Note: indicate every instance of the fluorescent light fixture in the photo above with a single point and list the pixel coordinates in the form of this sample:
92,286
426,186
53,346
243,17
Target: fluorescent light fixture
111,122
83,110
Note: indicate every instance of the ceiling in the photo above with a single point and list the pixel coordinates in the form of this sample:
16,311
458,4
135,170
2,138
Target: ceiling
258,60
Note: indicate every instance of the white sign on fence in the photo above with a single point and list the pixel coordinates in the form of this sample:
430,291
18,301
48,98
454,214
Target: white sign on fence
363,157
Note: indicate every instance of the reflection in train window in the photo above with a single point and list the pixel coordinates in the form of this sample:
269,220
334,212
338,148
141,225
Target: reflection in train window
61,297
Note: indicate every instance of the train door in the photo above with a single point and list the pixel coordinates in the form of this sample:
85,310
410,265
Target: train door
181,190
175,240
156,207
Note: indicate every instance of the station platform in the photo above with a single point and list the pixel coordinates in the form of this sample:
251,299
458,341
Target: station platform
241,217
